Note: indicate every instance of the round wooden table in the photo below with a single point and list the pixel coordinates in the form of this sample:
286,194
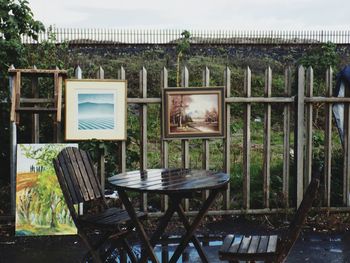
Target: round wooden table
177,184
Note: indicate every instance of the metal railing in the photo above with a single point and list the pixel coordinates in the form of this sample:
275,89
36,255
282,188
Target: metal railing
172,36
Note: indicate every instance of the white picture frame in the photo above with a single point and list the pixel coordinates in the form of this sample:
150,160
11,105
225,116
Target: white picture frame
95,109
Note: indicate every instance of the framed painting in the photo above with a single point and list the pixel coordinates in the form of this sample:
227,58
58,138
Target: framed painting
40,206
193,112
95,109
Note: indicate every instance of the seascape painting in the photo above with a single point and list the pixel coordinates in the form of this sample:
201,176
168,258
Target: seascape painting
96,111
40,206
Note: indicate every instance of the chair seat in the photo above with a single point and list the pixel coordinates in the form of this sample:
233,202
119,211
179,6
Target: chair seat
109,217
238,247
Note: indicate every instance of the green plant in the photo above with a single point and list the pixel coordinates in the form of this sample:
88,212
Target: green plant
47,54
16,19
182,47
321,58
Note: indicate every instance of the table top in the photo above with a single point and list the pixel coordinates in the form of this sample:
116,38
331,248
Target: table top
169,181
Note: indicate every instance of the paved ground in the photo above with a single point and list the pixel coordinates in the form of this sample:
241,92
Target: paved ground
310,247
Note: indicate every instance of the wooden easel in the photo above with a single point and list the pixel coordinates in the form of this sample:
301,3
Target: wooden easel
32,105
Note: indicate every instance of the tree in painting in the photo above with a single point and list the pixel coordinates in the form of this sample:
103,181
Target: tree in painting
48,191
178,106
211,116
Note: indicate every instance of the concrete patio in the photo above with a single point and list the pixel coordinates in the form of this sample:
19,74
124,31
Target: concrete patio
310,247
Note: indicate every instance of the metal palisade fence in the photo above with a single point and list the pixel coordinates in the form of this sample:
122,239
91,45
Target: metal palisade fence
172,36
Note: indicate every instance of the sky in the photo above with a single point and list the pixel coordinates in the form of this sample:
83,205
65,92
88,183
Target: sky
195,14
200,103
96,98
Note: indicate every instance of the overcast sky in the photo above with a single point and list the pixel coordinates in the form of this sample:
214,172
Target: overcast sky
195,14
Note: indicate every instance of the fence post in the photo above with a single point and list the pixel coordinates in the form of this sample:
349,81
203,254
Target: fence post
100,74
35,116
299,136
328,139
165,143
227,141
122,144
267,138
58,120
246,140
185,143
286,132
58,105
309,110
143,130
79,75
205,142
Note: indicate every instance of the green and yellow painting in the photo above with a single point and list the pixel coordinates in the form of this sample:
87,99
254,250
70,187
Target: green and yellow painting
40,205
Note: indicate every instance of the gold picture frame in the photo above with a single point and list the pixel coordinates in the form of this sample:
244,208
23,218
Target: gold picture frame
95,109
193,112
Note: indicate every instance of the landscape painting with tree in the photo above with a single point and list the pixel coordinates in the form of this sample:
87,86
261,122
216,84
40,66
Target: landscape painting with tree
40,206
193,112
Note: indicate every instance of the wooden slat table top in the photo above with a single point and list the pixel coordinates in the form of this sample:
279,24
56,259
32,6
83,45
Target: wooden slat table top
169,181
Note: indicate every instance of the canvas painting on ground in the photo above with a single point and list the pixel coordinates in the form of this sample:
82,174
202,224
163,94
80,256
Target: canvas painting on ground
95,109
195,112
40,205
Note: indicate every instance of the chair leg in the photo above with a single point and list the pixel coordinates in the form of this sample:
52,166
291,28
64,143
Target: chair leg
123,256
93,251
129,251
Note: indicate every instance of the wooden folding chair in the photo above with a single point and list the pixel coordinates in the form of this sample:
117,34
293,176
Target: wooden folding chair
79,184
269,248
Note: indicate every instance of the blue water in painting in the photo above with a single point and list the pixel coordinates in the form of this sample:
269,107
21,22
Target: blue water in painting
102,123
95,112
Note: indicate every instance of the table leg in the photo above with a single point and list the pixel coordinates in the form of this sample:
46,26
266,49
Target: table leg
189,233
163,223
131,211
180,211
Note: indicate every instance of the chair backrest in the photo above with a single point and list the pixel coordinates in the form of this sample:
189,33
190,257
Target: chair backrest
77,178
300,216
